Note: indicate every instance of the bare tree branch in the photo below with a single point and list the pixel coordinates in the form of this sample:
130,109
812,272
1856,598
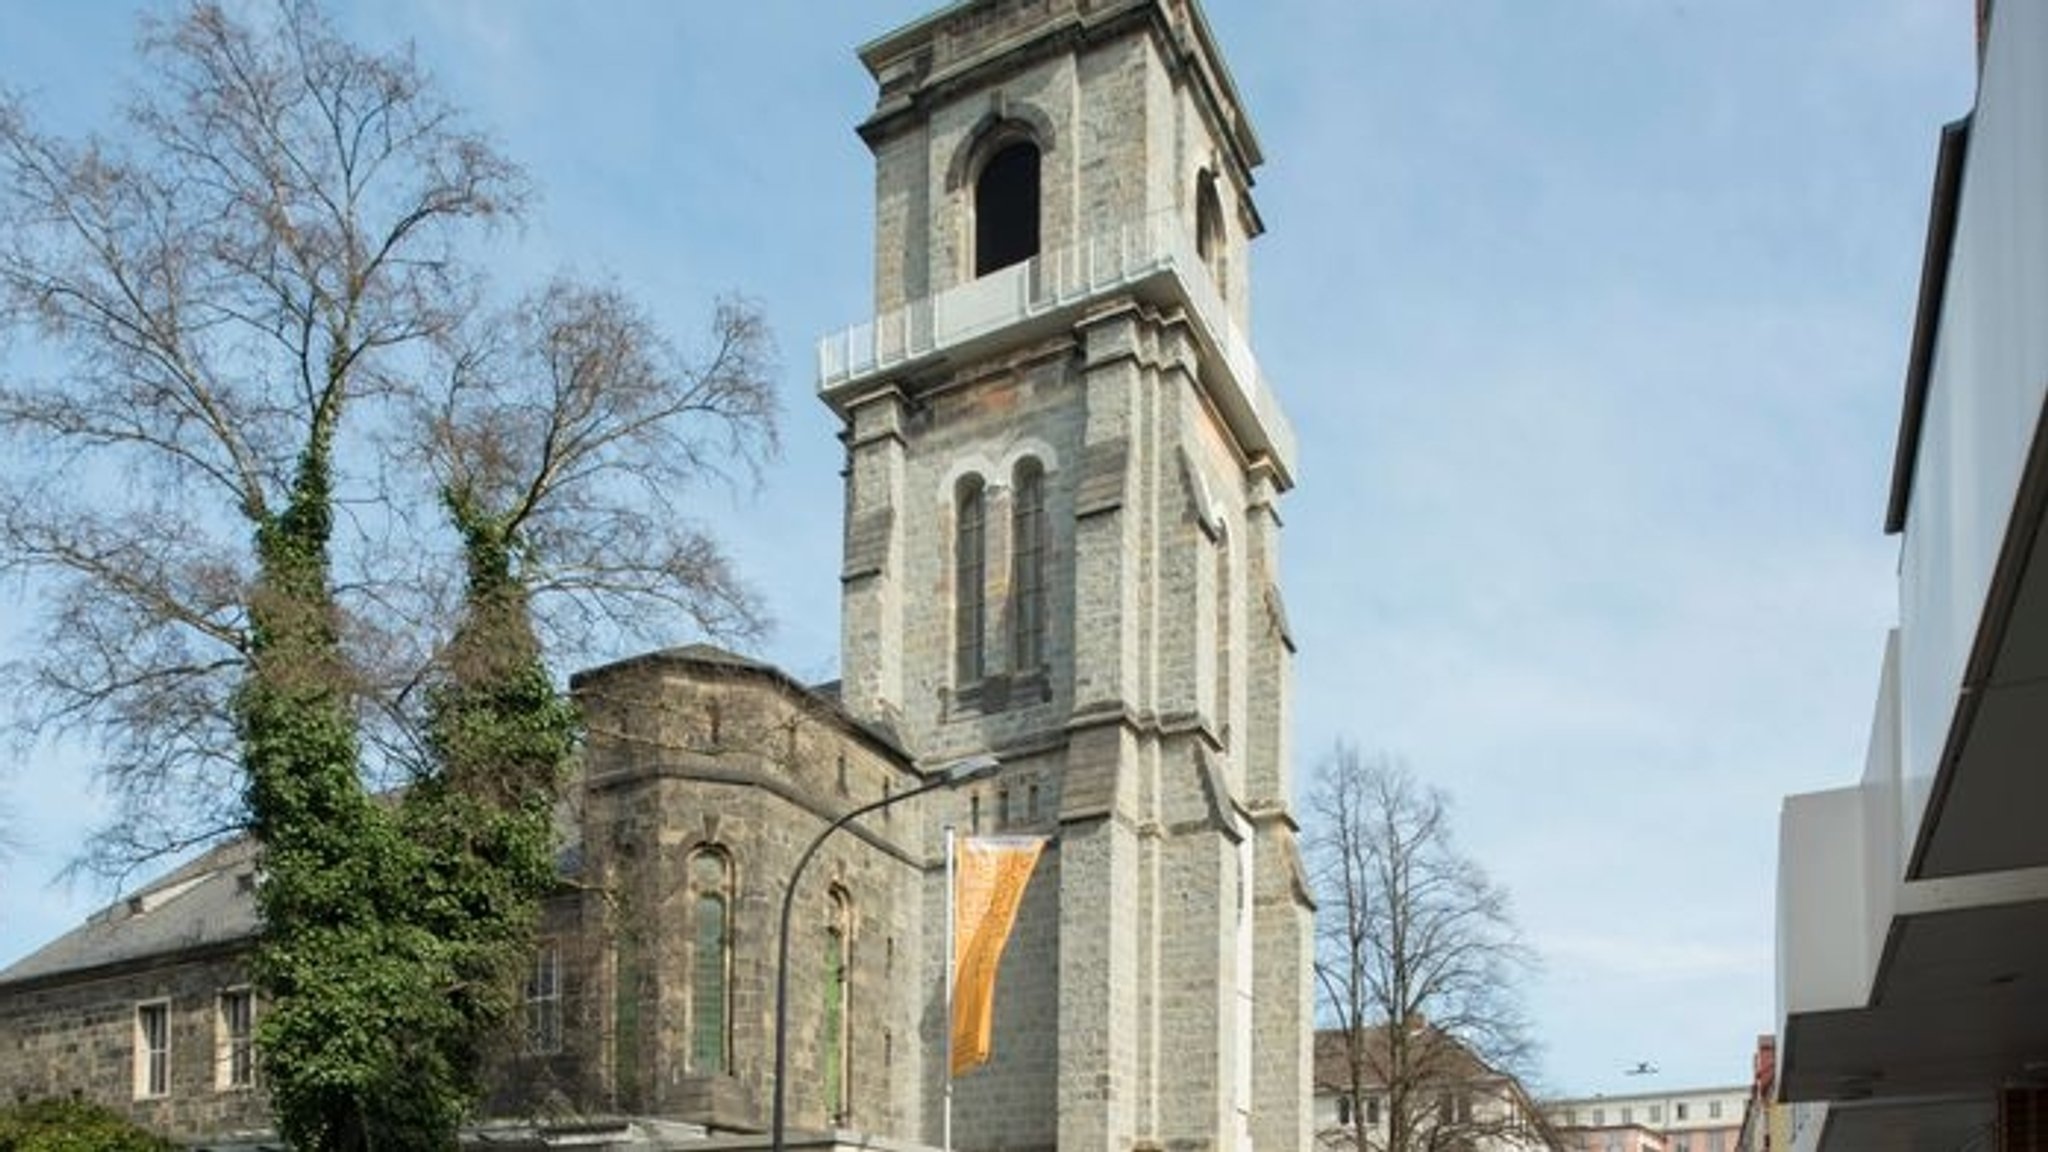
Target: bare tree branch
1417,964
269,237
584,431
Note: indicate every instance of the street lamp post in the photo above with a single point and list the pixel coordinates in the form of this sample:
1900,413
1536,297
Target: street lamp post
958,772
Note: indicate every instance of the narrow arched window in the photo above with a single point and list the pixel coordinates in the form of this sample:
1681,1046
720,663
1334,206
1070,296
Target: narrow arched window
970,572
1209,235
1006,208
1027,562
836,1042
710,881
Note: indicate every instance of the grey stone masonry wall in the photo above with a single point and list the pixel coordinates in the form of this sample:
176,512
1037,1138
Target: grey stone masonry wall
1154,991
1283,1036
872,578
1268,707
79,1036
1127,100
688,756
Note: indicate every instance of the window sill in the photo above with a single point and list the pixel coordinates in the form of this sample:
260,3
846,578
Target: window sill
999,693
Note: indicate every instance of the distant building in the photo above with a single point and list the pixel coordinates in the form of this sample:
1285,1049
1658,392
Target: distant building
1766,1123
1459,1104
1061,548
1689,1120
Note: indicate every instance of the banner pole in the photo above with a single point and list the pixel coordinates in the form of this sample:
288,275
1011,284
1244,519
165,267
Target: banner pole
946,1123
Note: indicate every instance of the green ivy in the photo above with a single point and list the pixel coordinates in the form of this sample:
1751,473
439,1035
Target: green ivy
340,974
395,935
73,1126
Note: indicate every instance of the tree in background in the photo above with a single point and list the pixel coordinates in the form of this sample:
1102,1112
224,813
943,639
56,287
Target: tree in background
249,287
1417,964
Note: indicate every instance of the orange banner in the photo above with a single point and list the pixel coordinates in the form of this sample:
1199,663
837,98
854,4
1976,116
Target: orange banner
989,875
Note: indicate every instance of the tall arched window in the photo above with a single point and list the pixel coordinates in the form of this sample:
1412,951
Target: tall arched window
1209,235
1006,208
710,880
970,571
1027,562
836,1042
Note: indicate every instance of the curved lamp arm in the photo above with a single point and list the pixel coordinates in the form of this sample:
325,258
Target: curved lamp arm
958,772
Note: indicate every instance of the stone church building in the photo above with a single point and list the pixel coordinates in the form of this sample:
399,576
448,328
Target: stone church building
1063,471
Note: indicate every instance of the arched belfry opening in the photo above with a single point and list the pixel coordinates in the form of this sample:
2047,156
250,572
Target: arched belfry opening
1006,207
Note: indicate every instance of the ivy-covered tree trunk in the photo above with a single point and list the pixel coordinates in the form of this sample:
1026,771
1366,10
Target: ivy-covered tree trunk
501,736
327,972
394,938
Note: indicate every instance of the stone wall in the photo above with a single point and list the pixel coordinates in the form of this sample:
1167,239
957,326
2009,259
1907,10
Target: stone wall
1165,938
687,756
78,1038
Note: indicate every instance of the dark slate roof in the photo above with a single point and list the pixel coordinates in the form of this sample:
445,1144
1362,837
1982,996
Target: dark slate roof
207,901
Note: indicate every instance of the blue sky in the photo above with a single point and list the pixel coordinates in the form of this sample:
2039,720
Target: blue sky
1592,316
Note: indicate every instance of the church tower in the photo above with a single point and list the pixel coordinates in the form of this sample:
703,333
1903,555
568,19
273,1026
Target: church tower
1063,475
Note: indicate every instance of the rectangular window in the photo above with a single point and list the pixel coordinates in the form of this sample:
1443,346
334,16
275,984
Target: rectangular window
1372,1111
544,1000
1678,1111
1628,1115
1656,1113
1713,1109
153,1049
235,1050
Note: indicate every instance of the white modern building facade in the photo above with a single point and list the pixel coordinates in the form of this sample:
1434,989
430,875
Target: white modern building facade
1913,904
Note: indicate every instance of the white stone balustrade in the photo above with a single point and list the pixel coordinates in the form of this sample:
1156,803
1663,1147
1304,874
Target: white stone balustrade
1147,257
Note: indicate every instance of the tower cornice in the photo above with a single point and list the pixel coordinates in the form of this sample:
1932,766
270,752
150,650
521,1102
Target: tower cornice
934,59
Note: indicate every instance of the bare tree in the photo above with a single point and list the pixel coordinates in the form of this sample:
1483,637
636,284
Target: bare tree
270,239
579,431
1417,959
